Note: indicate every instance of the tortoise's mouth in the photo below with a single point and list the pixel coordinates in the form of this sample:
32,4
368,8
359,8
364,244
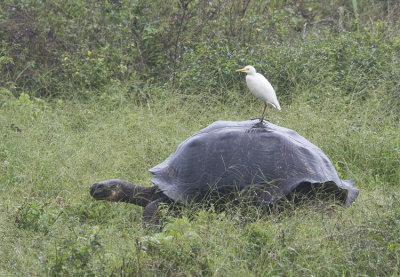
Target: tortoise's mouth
100,191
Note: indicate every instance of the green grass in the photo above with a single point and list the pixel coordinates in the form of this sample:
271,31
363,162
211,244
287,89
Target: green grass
51,226
69,117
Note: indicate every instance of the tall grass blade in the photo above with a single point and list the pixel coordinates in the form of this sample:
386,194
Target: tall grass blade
355,8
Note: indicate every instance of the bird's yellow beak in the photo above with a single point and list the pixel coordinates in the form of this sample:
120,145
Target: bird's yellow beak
241,70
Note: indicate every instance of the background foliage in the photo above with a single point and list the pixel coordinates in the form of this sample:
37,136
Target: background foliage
93,90
58,48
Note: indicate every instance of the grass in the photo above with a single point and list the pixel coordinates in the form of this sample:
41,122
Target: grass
51,226
93,92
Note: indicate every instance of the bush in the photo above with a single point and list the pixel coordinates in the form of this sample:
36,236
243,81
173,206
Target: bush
59,48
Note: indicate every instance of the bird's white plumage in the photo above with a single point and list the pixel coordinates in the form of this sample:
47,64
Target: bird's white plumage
260,87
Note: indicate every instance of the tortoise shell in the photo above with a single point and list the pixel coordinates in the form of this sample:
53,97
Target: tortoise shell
231,156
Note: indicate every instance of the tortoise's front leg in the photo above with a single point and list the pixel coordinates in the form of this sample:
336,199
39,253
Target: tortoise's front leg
152,213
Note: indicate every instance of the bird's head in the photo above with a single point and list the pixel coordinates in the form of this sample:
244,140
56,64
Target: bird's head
248,69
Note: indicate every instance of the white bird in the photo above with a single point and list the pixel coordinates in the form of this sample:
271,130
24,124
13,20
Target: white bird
261,88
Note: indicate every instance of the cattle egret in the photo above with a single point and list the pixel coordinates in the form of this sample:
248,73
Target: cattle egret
261,88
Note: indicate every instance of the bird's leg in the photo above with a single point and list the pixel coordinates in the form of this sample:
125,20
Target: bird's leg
262,116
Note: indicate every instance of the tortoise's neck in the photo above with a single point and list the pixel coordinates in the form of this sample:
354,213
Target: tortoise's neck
137,195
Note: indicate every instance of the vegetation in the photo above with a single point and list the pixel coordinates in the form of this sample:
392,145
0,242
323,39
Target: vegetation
94,90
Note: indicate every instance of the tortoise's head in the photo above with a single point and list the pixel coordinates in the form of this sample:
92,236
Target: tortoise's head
117,190
107,190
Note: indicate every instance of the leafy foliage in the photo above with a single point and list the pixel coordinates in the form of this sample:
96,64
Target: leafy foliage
94,90
84,44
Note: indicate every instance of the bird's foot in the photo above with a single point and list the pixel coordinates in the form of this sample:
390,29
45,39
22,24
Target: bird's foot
260,125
